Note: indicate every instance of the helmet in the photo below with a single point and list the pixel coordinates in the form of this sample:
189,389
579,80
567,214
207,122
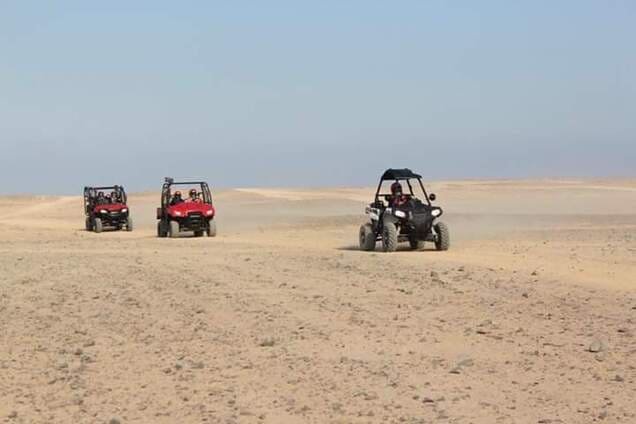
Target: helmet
193,192
396,188
177,193
100,194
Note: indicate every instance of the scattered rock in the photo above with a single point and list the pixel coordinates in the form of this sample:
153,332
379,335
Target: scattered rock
596,346
114,421
462,362
267,342
198,365
13,414
618,378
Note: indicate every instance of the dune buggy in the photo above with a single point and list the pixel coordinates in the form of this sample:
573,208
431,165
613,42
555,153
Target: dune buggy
400,216
178,214
106,208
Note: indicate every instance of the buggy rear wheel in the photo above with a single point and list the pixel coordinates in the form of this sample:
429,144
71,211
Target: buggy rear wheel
367,237
415,243
212,228
389,237
443,236
174,229
89,227
98,225
161,232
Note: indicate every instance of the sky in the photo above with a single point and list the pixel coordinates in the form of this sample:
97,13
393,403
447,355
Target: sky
322,93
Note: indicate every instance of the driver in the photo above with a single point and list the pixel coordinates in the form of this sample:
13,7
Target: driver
397,197
176,199
114,197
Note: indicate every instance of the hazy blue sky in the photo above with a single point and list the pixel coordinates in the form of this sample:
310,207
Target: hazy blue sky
247,93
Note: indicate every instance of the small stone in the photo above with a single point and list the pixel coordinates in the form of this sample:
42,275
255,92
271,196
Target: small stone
428,399
618,378
78,352
13,414
198,365
267,342
114,421
596,346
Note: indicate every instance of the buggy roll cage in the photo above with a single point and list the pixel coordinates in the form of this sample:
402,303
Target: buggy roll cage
169,182
401,175
90,194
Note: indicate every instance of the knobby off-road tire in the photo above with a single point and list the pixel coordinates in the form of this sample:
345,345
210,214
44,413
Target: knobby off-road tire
129,224
367,238
89,227
161,231
443,236
98,225
212,229
389,237
174,229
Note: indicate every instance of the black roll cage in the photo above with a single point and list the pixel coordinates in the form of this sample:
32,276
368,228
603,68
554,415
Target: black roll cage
166,193
401,175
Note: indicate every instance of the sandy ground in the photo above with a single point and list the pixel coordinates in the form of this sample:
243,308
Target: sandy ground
529,318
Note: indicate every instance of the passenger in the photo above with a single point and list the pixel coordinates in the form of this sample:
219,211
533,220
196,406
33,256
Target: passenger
176,199
193,196
397,197
100,198
114,198
108,200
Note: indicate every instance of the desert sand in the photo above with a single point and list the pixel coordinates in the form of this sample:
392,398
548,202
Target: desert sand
529,318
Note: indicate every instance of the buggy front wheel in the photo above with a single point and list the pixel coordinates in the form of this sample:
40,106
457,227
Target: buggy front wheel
98,225
212,229
389,237
174,229
443,236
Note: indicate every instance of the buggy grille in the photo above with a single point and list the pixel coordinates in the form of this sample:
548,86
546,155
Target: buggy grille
196,220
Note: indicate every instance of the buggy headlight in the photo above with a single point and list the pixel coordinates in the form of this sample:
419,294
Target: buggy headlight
400,214
124,210
103,211
177,213
208,212
436,212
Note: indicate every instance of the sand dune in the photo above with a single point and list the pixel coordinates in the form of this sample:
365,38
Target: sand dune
530,317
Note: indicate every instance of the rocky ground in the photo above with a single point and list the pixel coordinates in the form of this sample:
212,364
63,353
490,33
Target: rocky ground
530,318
